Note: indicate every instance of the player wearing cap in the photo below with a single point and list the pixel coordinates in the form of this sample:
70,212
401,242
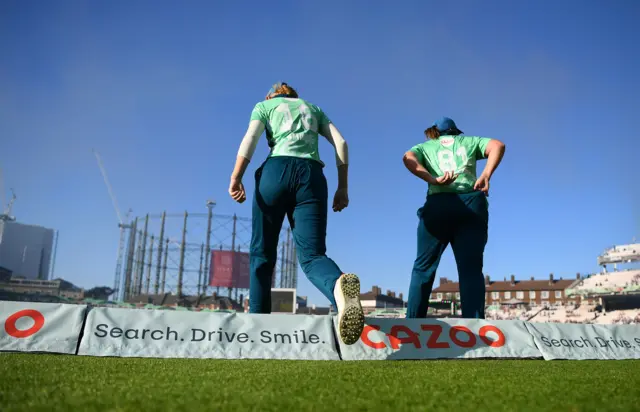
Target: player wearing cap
455,212
291,183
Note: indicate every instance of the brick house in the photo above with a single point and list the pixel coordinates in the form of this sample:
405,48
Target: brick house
375,299
526,292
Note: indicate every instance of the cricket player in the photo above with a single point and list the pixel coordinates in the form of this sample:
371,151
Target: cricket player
291,183
455,212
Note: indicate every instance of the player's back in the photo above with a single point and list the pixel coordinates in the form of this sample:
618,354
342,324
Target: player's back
292,126
456,154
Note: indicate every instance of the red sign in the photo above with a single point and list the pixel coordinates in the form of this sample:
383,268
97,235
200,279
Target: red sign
460,336
229,269
241,270
12,330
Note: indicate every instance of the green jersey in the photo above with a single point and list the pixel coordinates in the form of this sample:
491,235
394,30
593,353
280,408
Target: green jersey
456,154
291,126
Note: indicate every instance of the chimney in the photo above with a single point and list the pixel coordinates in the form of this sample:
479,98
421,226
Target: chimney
443,281
578,276
505,278
532,278
376,290
487,280
400,296
551,278
388,292
513,280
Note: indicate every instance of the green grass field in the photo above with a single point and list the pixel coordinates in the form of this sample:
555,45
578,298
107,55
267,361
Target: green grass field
72,383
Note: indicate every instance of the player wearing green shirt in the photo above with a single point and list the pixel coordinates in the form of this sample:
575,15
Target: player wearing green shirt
292,126
456,212
291,183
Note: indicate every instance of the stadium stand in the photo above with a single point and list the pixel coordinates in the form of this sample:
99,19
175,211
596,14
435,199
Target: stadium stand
497,312
583,313
620,254
619,317
608,282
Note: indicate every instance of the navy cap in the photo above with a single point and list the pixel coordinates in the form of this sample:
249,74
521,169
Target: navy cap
445,124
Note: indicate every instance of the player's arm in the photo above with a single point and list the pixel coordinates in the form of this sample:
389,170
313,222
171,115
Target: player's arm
245,152
413,164
247,148
335,138
493,152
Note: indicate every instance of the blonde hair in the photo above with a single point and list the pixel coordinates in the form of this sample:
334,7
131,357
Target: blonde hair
286,89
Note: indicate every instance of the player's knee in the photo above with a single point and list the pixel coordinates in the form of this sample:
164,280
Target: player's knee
261,252
470,263
259,261
309,260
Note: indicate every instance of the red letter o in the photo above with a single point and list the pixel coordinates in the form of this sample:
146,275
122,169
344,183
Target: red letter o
493,343
468,344
367,341
10,323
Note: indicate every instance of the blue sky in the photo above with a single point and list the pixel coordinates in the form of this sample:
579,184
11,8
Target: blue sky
163,90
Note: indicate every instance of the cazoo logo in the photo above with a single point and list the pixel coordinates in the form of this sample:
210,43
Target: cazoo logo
459,336
12,330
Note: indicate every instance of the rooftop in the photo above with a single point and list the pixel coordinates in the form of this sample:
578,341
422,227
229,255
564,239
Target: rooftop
447,286
376,294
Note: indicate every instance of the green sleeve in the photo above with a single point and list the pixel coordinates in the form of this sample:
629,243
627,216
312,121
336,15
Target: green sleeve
418,150
322,117
481,146
259,113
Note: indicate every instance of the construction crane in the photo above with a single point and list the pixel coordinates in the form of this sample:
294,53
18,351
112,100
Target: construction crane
121,224
6,213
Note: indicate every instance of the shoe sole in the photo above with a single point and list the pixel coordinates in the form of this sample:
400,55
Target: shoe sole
351,321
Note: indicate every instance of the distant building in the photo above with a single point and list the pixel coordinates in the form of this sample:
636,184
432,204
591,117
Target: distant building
26,250
196,302
5,274
313,310
301,301
36,287
514,292
375,299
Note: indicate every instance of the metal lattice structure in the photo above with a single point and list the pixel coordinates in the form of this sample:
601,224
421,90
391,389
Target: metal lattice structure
171,253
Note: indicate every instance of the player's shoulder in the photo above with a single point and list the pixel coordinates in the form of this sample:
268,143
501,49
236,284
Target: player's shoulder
309,104
260,106
469,138
264,104
427,145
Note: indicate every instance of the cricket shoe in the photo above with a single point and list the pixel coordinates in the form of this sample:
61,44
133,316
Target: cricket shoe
350,314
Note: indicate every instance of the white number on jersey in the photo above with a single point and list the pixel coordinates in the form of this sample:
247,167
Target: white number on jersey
307,118
447,161
287,122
